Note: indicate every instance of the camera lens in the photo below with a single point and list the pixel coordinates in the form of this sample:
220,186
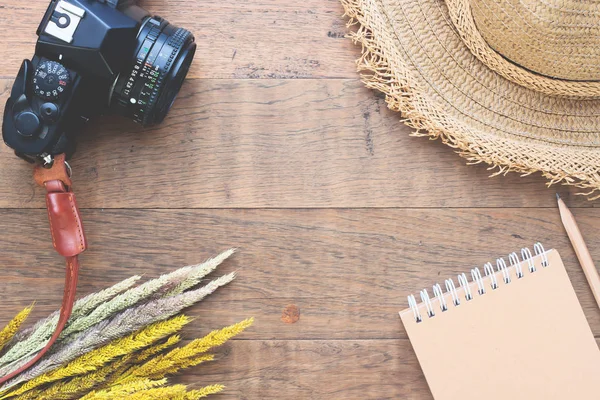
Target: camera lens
146,91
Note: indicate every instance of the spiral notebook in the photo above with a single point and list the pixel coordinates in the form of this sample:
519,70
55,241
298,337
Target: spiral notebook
515,331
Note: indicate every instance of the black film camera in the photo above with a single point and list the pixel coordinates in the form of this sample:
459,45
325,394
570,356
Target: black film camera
94,57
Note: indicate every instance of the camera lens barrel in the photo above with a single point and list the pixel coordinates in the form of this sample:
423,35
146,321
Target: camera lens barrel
146,90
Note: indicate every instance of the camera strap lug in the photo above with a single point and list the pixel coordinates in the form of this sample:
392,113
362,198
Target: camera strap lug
68,239
48,160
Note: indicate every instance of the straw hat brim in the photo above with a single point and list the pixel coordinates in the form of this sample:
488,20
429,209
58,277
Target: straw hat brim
413,53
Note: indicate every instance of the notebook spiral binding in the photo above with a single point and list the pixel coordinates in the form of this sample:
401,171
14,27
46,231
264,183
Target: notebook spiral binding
476,277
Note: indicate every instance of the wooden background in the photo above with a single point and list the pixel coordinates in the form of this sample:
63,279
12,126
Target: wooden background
275,147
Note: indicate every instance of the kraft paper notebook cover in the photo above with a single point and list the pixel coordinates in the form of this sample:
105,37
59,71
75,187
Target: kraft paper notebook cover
516,338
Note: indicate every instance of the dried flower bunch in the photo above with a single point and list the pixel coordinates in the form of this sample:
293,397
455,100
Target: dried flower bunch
118,343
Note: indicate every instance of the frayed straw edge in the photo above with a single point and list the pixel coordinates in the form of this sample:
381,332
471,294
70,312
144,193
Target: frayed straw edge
381,77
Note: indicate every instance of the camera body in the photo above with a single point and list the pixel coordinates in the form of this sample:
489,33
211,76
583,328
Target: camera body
93,57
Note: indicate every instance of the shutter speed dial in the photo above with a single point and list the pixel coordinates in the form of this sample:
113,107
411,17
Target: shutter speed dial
51,80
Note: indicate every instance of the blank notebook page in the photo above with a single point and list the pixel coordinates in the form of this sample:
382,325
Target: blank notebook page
527,339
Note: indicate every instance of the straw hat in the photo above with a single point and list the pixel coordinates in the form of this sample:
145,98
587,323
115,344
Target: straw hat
512,83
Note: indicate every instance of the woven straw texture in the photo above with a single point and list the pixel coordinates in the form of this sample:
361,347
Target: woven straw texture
413,53
556,38
463,16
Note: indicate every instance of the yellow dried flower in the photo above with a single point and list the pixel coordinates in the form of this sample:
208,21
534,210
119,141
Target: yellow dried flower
31,395
79,385
184,357
98,357
175,392
162,393
205,391
133,366
154,350
124,391
134,359
13,326
172,368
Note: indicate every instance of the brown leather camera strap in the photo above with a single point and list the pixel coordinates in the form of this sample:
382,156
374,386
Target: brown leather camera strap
68,239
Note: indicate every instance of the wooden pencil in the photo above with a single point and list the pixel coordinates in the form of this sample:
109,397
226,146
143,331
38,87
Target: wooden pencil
583,254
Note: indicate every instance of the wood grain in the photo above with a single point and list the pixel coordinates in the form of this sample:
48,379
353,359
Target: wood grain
242,39
274,144
349,369
276,148
349,271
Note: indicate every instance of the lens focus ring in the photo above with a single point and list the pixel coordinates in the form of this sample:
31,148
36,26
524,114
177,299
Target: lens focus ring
146,91
175,43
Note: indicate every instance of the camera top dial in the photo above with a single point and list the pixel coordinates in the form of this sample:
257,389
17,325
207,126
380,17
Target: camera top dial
51,79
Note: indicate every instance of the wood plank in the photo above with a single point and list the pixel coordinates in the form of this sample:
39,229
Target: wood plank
242,39
257,126
370,369
274,144
349,271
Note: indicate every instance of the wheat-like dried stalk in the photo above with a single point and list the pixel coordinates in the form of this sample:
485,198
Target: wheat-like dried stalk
124,391
126,322
176,392
13,326
33,339
113,343
156,349
177,281
77,386
193,275
136,295
97,358
184,357
103,377
205,391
